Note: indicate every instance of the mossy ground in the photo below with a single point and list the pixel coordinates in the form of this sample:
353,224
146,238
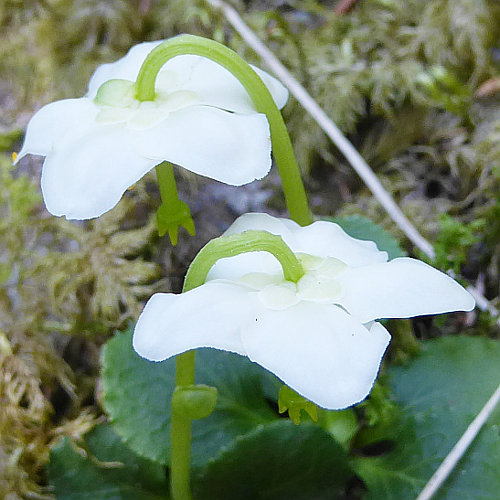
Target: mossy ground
414,84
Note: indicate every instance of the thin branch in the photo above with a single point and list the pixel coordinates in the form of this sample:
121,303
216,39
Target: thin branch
344,6
351,154
333,132
483,303
385,199
449,463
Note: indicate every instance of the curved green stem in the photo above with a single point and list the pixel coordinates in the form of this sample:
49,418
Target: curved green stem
291,180
235,244
224,246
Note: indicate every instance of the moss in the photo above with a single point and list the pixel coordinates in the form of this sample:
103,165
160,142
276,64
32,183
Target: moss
58,278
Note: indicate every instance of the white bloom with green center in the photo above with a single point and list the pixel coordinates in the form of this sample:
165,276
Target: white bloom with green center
319,335
97,146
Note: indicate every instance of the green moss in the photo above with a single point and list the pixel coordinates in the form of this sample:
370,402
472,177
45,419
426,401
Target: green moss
454,242
58,278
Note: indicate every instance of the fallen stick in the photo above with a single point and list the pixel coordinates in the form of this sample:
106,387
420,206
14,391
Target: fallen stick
333,132
344,6
351,154
449,463
386,200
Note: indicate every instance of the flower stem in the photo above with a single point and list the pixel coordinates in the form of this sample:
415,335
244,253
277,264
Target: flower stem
224,246
181,432
173,212
166,183
235,244
293,187
295,197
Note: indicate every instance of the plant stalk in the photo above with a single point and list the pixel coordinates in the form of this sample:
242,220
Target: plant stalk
293,188
295,197
180,462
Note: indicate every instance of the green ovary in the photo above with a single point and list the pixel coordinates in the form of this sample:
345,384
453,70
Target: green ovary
117,104
318,284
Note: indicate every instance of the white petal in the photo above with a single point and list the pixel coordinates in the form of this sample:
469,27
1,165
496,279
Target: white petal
126,68
214,84
401,288
327,239
54,121
322,238
279,297
231,148
208,316
317,289
275,87
319,351
114,115
259,281
89,170
263,222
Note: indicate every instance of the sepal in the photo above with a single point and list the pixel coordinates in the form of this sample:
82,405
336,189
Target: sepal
289,400
172,215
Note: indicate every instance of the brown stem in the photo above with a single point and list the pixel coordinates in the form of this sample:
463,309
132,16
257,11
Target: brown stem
344,6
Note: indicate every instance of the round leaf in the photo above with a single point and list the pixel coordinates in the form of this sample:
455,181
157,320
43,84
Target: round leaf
440,393
106,470
277,461
362,228
138,394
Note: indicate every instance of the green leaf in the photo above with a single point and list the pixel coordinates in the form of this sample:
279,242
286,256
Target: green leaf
362,228
440,393
277,461
105,469
137,396
342,425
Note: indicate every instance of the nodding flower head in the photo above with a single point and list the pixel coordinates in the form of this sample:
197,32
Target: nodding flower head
99,145
319,334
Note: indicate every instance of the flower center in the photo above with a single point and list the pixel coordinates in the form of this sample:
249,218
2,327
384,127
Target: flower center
117,103
319,283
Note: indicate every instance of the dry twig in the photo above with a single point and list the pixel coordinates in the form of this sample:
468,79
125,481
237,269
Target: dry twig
385,199
344,6
449,463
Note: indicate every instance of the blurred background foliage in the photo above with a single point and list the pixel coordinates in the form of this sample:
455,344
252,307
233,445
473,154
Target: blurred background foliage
414,84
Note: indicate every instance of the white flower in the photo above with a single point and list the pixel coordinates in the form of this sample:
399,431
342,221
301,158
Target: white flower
320,335
99,145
